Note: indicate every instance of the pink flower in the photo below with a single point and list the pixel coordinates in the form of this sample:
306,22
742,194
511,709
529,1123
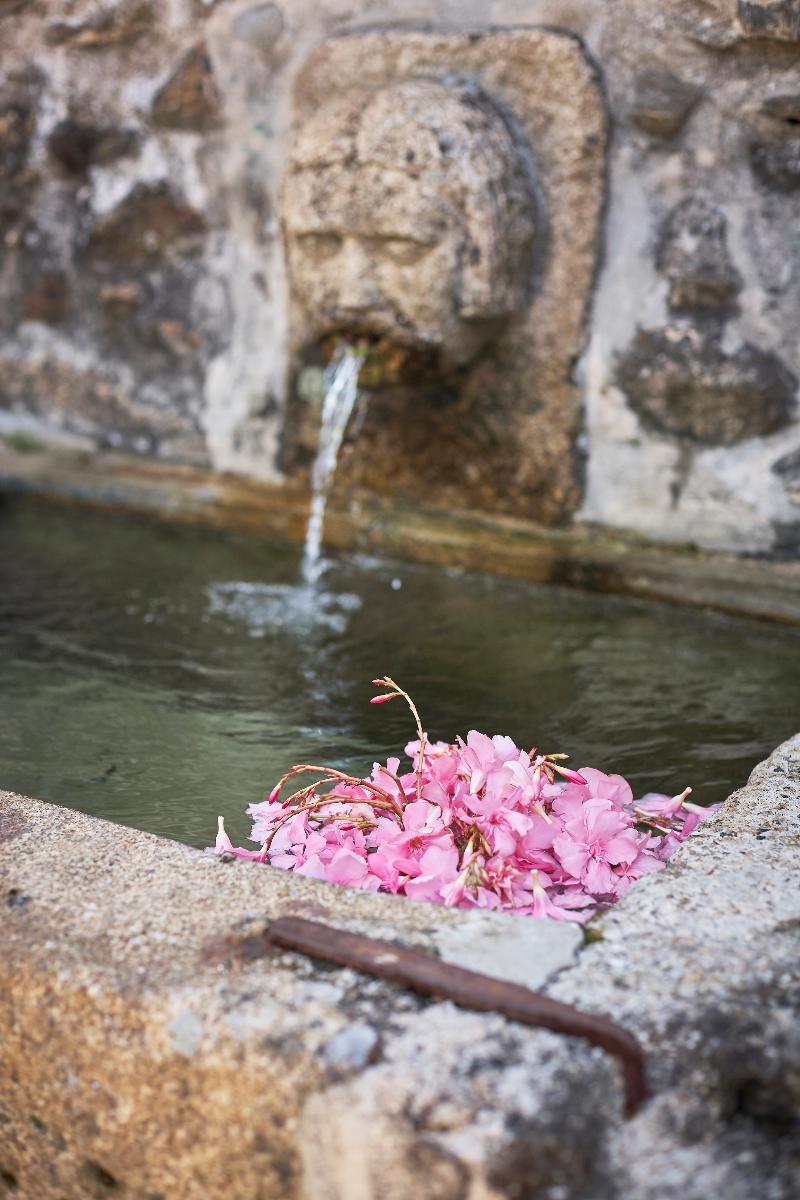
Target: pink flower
438,868
432,750
656,804
399,851
223,845
348,868
594,842
475,823
607,787
542,906
481,753
628,873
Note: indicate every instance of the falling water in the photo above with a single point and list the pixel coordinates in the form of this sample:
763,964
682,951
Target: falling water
303,608
341,390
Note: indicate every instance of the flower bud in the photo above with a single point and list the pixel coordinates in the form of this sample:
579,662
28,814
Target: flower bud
572,776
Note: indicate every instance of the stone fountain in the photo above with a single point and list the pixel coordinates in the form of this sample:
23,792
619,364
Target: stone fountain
198,199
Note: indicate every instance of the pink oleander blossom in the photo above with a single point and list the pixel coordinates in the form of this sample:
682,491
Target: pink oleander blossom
476,823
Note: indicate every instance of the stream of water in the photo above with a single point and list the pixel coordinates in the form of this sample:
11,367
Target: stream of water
341,392
303,606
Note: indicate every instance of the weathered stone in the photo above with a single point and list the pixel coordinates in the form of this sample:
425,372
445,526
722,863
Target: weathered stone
86,401
530,955
46,299
189,99
788,468
726,1081
15,201
777,164
116,24
694,257
15,127
7,7
18,98
176,338
787,537
78,145
774,19
352,1048
785,106
121,297
150,222
709,22
688,386
410,214
260,26
663,102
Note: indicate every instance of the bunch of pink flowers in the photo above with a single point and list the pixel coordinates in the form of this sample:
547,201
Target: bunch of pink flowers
479,823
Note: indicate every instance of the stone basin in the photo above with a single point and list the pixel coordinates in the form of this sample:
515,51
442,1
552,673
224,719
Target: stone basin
150,1048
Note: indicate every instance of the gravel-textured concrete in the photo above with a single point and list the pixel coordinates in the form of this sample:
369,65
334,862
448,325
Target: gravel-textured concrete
149,1046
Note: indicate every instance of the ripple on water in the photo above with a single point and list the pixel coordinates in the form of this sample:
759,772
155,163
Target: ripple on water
159,677
296,609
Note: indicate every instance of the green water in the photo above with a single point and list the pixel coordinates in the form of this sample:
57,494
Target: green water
159,677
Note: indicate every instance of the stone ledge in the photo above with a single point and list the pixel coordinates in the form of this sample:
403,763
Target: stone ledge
151,1047
147,1049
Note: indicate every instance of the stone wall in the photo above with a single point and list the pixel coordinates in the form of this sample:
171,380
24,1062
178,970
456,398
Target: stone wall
146,303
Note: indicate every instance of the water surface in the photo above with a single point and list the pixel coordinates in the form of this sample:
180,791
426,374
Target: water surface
159,676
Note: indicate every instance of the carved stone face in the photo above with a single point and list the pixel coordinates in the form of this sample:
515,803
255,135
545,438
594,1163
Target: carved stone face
408,213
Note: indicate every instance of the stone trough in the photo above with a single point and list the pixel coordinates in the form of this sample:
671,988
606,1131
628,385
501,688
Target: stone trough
152,1046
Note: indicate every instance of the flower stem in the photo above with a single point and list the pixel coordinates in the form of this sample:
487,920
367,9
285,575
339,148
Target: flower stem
386,681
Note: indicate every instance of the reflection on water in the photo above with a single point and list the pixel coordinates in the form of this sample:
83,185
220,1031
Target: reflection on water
158,676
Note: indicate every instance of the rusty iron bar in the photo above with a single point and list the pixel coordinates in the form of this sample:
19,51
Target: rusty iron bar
468,989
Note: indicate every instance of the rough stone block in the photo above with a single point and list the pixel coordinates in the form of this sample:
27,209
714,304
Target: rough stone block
260,26
19,95
98,27
684,383
777,164
694,257
774,19
48,382
47,298
189,99
788,468
662,102
78,145
149,223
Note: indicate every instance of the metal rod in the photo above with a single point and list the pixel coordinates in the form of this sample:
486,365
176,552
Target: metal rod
468,989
